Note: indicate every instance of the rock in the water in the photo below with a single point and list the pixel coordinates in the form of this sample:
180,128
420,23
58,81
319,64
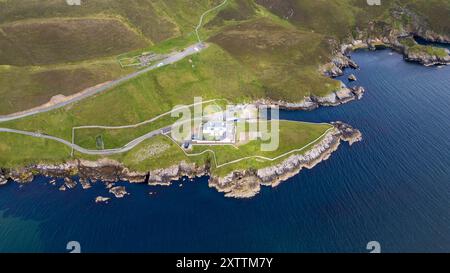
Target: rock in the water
358,91
85,183
345,95
101,199
3,180
69,183
119,191
352,78
62,188
348,133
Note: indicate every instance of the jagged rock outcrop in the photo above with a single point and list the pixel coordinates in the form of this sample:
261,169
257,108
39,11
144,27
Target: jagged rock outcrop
69,183
3,180
425,58
85,184
119,191
337,65
335,98
105,170
247,183
23,175
164,176
101,199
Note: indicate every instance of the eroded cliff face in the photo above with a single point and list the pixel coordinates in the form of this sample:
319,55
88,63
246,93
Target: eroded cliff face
247,183
376,35
105,170
388,34
335,98
425,58
3,180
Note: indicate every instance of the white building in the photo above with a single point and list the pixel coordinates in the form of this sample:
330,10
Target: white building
214,130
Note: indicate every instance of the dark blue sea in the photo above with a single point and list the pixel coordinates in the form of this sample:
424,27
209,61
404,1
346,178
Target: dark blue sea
393,187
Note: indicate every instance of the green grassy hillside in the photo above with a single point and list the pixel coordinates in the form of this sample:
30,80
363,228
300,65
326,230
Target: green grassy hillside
49,39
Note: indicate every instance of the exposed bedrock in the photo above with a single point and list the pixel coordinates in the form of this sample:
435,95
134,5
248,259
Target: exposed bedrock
338,97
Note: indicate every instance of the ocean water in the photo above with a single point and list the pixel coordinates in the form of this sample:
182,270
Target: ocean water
393,187
422,41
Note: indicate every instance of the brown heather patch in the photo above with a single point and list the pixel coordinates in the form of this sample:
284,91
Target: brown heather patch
64,40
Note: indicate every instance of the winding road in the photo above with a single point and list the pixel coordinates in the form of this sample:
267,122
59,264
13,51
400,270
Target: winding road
200,23
173,58
77,148
127,147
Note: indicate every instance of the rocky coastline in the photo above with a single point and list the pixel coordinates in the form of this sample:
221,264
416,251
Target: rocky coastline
239,184
341,96
341,60
247,183
382,35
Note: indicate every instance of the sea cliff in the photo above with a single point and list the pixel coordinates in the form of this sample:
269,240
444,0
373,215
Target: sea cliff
239,184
